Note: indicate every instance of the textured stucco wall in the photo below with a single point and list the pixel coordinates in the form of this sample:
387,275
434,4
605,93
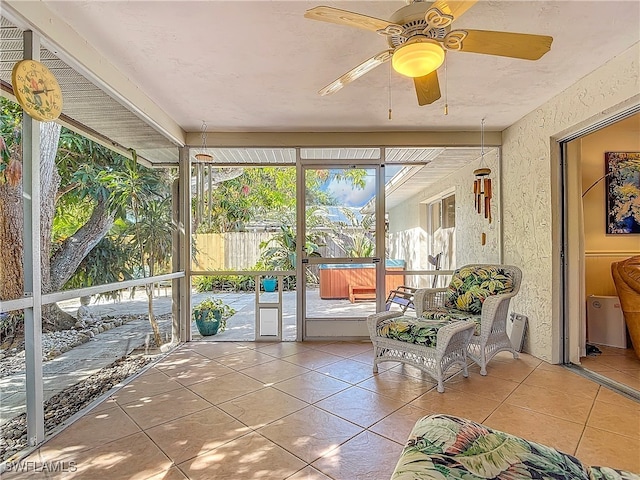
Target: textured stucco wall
529,212
410,218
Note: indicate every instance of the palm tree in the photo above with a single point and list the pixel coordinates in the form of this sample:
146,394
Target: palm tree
144,194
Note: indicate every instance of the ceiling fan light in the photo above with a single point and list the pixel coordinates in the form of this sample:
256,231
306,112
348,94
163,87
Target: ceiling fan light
418,58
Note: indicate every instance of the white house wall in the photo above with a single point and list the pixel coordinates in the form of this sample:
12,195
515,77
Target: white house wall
409,236
531,198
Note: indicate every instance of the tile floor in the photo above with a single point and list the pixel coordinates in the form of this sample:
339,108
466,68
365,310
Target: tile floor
619,364
244,411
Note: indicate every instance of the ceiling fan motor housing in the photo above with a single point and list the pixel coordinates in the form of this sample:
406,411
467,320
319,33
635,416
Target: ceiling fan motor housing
412,18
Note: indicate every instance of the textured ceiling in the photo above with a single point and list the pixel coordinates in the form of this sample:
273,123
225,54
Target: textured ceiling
257,65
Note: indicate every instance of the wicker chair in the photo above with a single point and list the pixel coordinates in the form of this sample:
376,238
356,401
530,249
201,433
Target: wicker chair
490,336
468,318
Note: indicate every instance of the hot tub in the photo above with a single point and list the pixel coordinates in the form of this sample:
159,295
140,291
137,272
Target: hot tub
335,279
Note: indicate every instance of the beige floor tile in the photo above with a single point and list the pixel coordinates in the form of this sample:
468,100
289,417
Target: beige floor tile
249,457
144,387
225,388
282,349
214,350
164,407
348,370
598,447
574,408
245,359
398,425
106,404
550,407
311,387
179,361
609,396
366,457
533,426
207,370
172,474
310,433
192,435
93,430
275,371
397,385
308,473
550,366
562,381
522,357
134,457
616,418
625,379
455,402
347,349
262,407
595,365
313,359
621,362
512,369
360,406
488,386
364,357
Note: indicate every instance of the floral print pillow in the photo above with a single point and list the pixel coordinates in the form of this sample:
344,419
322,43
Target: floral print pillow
447,447
471,285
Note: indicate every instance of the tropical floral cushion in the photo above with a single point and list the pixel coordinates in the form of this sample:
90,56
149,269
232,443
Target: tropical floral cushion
411,330
451,314
606,473
446,447
471,285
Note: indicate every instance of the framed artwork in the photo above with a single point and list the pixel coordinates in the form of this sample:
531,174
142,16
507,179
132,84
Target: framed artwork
623,192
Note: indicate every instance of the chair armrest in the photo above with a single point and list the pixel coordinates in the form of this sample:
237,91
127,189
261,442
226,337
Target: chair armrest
373,320
448,331
426,298
495,308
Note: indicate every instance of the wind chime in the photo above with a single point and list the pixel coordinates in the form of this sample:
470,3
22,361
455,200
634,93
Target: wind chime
482,184
203,176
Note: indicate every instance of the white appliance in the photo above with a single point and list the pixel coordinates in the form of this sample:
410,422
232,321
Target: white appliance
605,321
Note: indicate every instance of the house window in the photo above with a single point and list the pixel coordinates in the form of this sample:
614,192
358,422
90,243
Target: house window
442,222
442,214
448,210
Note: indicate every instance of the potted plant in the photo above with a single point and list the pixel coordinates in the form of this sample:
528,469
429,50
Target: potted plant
211,316
269,284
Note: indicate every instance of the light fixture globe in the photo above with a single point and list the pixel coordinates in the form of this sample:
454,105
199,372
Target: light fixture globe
418,57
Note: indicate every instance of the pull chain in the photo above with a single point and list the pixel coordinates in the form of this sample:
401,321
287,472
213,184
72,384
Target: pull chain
389,90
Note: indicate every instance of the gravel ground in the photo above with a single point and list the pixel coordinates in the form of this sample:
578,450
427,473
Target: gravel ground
56,343
60,407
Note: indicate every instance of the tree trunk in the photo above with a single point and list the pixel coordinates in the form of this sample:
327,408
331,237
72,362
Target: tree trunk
58,269
152,318
49,185
11,245
72,251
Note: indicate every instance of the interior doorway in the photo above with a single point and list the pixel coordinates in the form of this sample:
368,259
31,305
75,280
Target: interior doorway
596,338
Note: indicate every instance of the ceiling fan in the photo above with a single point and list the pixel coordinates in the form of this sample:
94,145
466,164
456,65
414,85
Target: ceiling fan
419,34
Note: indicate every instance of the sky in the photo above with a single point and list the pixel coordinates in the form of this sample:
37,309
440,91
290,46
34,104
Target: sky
348,196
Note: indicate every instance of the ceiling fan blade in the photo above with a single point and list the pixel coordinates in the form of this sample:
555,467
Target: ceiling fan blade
352,19
505,44
453,8
427,88
357,72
